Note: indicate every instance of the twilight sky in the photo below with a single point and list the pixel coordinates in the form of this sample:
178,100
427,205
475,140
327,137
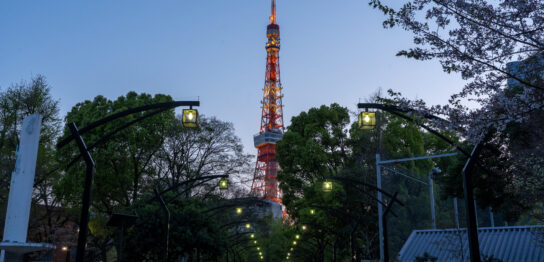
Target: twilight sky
331,51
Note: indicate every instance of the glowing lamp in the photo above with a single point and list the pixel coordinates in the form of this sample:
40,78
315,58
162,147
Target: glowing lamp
252,235
254,241
223,184
312,211
248,226
297,236
190,118
367,120
327,186
304,227
294,243
238,210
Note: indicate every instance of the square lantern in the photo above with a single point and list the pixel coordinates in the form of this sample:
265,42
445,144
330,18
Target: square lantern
223,184
367,120
327,186
190,118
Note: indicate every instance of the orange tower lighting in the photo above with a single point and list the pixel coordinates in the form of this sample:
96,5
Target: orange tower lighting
265,183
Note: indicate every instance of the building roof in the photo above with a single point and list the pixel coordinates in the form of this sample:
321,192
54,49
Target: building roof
515,243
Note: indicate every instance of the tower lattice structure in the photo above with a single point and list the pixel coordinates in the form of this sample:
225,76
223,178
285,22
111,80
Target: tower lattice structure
265,183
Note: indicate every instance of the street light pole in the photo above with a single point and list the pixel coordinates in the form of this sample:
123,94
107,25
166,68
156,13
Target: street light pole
474,246
467,175
89,162
87,193
384,222
167,226
382,215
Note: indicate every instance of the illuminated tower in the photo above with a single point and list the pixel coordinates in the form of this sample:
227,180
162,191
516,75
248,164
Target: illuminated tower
265,184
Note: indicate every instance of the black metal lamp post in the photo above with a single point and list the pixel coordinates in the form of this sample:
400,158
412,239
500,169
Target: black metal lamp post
121,221
387,206
89,162
472,227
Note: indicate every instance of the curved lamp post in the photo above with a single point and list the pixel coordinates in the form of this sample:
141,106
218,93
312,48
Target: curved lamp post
164,206
472,227
89,162
387,206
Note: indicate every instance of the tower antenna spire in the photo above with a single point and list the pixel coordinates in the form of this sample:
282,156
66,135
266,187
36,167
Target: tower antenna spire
273,13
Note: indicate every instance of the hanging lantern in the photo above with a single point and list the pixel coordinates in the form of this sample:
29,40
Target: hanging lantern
223,184
327,186
367,120
190,118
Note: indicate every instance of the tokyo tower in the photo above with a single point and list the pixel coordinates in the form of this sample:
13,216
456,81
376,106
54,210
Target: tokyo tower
265,183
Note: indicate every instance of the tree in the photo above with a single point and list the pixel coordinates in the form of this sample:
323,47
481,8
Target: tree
124,161
481,40
316,147
211,149
191,229
322,145
157,152
477,38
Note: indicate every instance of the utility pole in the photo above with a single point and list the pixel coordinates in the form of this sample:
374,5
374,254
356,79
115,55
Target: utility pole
431,192
380,209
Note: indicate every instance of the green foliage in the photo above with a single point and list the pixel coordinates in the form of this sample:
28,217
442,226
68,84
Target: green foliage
122,161
317,147
314,147
321,145
157,152
190,229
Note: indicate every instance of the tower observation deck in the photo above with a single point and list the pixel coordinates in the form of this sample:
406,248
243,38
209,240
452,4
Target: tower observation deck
265,184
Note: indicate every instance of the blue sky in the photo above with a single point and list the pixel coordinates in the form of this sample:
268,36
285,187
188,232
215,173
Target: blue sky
332,51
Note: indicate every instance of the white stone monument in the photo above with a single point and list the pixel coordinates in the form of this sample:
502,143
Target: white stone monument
14,245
